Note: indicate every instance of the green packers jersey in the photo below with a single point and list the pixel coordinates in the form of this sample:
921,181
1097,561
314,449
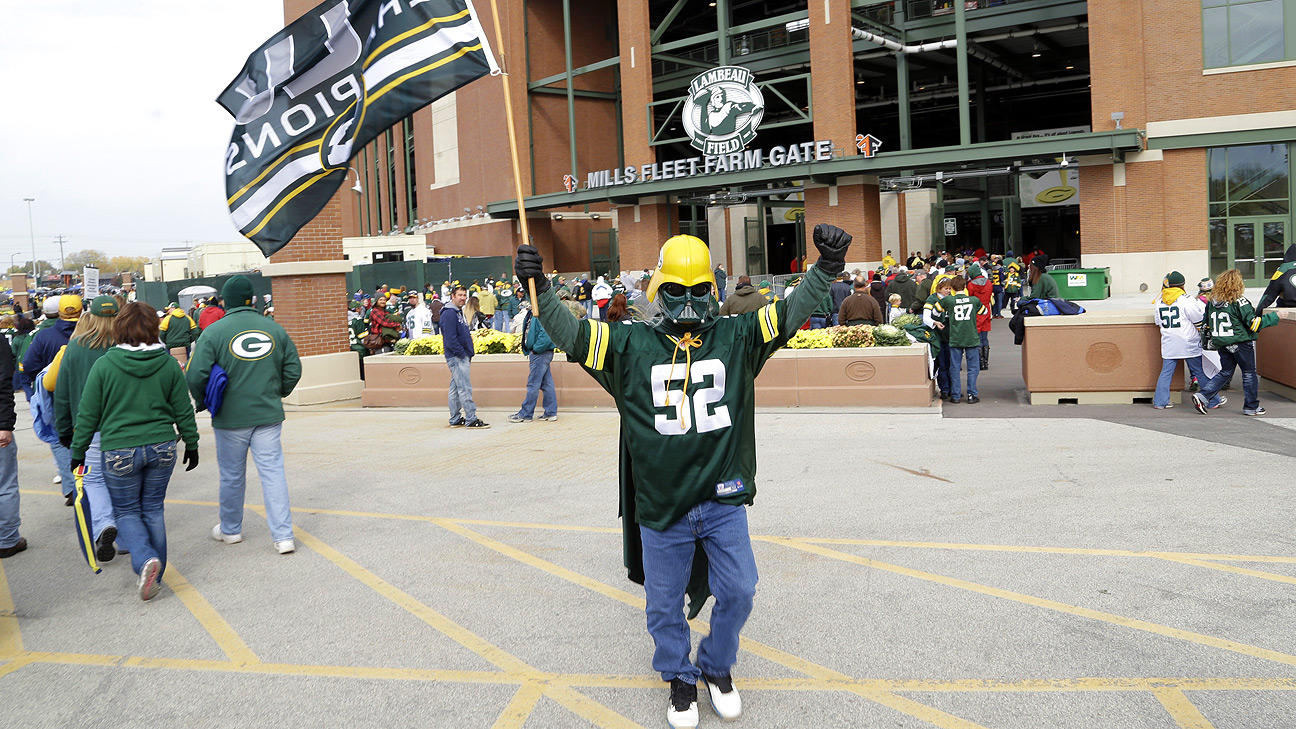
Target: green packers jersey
959,313
687,400
1235,322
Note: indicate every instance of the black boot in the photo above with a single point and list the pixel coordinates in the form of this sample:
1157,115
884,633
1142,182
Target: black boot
985,356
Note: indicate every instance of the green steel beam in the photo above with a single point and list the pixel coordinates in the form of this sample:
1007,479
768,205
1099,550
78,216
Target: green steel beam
1225,139
965,104
571,96
885,163
682,60
576,92
526,40
597,66
665,24
770,22
686,42
722,30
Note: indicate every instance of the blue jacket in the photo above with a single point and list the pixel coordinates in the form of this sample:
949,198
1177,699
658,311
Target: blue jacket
535,340
454,334
44,346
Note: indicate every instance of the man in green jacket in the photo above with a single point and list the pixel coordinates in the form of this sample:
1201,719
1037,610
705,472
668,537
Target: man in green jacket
178,330
262,365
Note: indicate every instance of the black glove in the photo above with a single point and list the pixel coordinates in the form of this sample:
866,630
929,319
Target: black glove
191,459
530,265
832,243
76,463
65,441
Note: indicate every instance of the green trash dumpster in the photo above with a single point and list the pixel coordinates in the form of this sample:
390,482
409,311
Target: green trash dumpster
1086,284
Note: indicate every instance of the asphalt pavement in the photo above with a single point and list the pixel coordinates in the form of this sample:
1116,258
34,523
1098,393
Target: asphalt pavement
1002,567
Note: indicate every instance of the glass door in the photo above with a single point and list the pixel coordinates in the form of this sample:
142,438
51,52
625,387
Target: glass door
1256,247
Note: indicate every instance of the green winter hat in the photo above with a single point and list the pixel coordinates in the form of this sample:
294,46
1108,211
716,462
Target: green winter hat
974,271
1173,280
237,292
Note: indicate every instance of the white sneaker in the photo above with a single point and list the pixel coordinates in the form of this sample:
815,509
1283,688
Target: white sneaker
724,697
286,546
58,479
148,579
682,712
221,536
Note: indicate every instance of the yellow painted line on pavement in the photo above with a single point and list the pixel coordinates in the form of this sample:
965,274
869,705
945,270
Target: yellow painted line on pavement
519,708
1181,709
10,634
207,616
588,709
1156,628
770,653
15,664
1229,568
439,622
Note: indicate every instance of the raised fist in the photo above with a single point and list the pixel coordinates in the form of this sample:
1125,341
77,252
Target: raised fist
528,264
832,243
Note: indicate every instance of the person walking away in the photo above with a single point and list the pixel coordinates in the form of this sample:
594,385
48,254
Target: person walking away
746,298
11,541
135,399
904,285
418,322
840,289
688,471
210,314
860,307
618,309
506,307
602,294
487,305
262,367
458,347
539,350
1042,285
1178,316
45,344
979,286
18,345
877,289
435,306
959,312
722,278
92,339
1233,326
178,331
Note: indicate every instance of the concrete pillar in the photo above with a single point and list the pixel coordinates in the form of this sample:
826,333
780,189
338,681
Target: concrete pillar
832,74
635,30
718,238
643,229
19,283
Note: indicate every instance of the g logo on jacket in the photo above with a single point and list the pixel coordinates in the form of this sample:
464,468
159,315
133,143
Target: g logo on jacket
251,345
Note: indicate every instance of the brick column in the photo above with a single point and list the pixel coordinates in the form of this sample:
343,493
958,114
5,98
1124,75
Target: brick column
641,231
853,207
311,306
832,73
19,283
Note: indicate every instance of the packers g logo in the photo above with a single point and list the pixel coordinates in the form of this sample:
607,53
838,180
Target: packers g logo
251,345
723,109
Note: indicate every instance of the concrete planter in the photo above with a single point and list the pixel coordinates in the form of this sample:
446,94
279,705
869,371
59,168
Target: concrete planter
873,376
1276,354
1094,358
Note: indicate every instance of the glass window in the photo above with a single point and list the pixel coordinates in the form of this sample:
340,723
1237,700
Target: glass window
411,179
1239,32
391,177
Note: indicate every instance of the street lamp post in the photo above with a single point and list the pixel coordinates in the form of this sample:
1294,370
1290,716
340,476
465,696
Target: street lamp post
32,229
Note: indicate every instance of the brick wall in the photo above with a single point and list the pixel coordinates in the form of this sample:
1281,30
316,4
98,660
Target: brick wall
1161,207
857,212
832,73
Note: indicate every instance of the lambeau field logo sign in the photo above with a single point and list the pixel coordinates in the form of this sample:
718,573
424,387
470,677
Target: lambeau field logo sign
722,110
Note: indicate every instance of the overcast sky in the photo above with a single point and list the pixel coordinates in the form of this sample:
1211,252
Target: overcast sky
110,121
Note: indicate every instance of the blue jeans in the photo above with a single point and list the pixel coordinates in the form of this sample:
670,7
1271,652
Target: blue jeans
973,356
232,446
500,321
460,389
1168,368
9,520
818,322
96,490
63,462
943,368
540,379
137,482
1245,358
997,302
667,561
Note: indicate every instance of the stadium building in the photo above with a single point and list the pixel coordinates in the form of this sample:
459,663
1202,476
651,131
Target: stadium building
1142,136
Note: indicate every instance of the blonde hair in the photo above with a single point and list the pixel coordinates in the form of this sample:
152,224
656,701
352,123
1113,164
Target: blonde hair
94,332
893,299
1228,287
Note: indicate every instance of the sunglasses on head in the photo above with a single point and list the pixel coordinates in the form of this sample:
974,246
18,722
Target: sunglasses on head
678,289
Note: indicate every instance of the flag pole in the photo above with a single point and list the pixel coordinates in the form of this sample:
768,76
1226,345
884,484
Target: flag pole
513,149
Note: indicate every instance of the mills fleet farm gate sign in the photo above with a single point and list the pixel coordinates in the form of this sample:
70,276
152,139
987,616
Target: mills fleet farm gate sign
723,109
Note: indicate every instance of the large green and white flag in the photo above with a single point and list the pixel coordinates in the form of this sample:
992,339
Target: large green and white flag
326,85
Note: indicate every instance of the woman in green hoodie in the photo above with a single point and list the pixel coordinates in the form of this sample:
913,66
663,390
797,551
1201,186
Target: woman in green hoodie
136,399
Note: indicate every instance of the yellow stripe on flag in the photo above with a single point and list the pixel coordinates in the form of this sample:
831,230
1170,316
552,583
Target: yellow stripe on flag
370,98
413,31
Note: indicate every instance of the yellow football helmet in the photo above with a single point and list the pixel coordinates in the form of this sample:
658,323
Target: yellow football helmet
685,260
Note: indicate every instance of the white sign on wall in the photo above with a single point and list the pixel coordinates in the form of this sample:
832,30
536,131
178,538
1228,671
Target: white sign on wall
1050,189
